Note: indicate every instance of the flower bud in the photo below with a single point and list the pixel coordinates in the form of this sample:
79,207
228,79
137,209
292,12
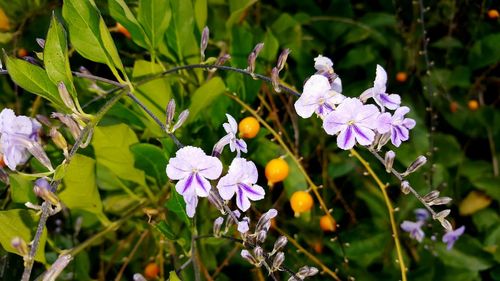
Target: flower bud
265,220
67,120
217,226
440,201
37,151
40,42
138,277
431,196
57,267
253,56
279,244
446,224
204,42
20,245
259,254
405,187
247,256
282,59
275,80
441,215
243,226
58,139
383,140
43,190
181,119
222,59
66,98
170,112
261,236
216,201
419,162
278,261
389,160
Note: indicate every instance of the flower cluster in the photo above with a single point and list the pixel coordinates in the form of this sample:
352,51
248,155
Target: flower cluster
351,119
416,232
193,169
19,138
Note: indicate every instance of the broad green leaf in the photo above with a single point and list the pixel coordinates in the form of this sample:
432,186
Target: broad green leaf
80,189
177,205
151,160
119,10
238,7
112,149
89,34
154,16
33,79
165,229
204,95
200,13
21,189
180,33
55,56
173,276
271,45
361,55
485,51
21,223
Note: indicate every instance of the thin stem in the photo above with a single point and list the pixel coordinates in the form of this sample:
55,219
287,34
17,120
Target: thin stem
98,78
308,254
390,208
132,253
46,206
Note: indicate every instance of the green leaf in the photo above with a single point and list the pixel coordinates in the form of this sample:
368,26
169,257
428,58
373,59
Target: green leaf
119,10
33,79
173,276
177,205
361,55
165,229
238,7
485,51
21,223
81,194
89,34
112,150
295,180
21,188
154,16
55,56
271,45
200,13
203,96
466,253
180,39
151,160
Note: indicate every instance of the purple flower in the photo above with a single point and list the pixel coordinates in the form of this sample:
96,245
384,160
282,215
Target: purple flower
353,121
414,228
317,97
397,124
241,179
422,214
19,138
235,144
452,236
378,92
192,167
324,66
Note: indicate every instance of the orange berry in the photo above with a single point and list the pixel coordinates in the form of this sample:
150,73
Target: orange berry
22,53
301,201
151,271
318,247
249,127
473,105
453,106
401,76
493,14
276,170
120,28
327,223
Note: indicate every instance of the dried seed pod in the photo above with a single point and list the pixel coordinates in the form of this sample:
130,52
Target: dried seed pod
441,215
419,162
275,80
282,59
446,224
440,201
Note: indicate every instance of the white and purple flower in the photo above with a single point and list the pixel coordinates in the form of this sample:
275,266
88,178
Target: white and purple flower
397,125
353,121
193,168
19,138
378,92
235,144
414,228
240,180
452,236
318,97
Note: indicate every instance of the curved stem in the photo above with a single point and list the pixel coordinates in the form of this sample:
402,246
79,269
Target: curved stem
388,204
308,254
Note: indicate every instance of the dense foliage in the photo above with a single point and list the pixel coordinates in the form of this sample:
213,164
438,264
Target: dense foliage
94,85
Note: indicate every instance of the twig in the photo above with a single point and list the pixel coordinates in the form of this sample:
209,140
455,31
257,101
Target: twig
132,253
389,208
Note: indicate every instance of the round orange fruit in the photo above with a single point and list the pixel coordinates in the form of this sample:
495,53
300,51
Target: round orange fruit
249,127
301,201
276,170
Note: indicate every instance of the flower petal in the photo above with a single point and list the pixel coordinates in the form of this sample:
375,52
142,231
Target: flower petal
391,101
364,135
242,200
380,82
233,125
202,185
210,167
384,123
227,187
253,192
346,139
